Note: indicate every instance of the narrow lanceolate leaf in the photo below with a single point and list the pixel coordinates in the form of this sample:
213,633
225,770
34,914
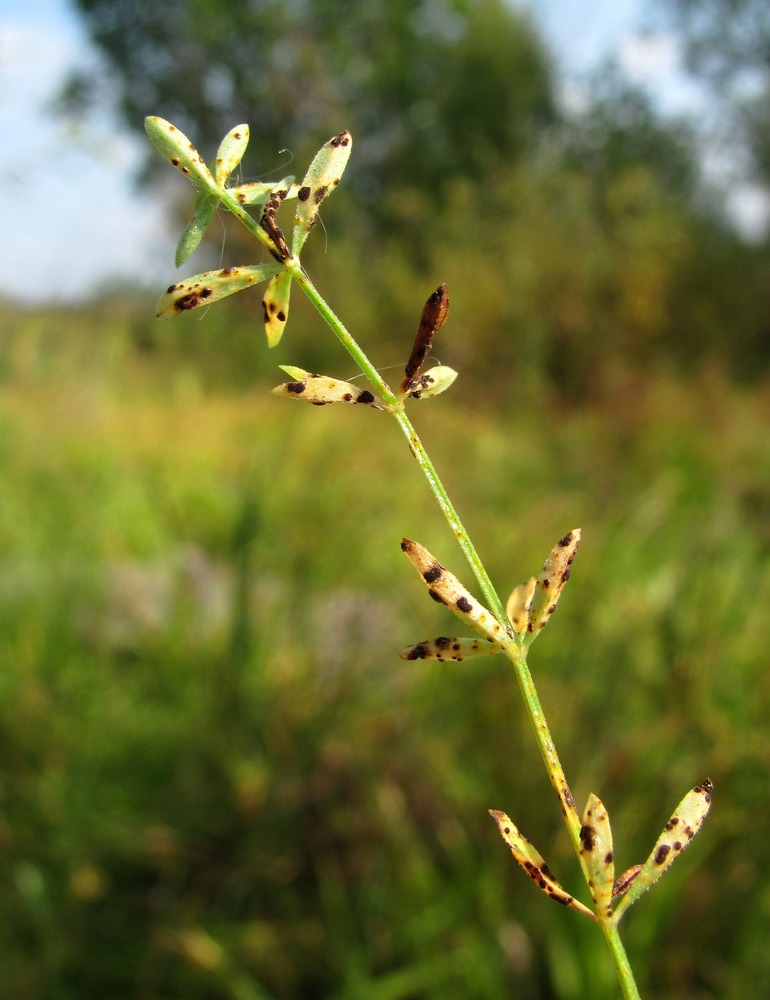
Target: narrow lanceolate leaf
519,603
230,152
320,389
205,207
276,307
445,588
256,193
179,151
534,865
322,177
449,648
432,383
676,835
551,581
434,314
203,289
596,851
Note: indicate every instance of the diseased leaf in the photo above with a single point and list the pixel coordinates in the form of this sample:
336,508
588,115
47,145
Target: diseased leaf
432,383
230,153
321,389
205,207
179,151
518,604
203,289
433,317
445,588
256,193
322,177
677,834
551,581
534,865
276,307
596,851
449,648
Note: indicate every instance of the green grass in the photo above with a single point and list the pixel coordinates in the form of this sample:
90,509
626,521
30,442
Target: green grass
219,780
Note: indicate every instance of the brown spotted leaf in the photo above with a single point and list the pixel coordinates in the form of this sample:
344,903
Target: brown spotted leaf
446,589
322,177
596,852
550,583
321,389
432,382
230,153
449,648
180,152
203,289
534,865
276,307
676,836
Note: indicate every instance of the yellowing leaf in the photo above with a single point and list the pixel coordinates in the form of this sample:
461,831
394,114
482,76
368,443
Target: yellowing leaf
449,648
534,865
445,588
321,389
596,852
676,836
203,289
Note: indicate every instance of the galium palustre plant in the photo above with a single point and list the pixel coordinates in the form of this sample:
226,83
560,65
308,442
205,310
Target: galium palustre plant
508,630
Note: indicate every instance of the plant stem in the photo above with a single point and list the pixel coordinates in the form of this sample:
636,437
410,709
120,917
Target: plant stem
513,648
625,973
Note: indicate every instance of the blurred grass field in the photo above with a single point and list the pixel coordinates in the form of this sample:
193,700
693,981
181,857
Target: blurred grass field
218,778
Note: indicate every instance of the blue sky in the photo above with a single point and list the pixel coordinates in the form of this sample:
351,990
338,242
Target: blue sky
72,221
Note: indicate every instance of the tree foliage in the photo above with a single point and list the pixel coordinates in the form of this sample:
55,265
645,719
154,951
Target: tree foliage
727,43
467,81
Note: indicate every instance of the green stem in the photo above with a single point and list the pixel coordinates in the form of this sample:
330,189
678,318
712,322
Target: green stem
513,648
625,973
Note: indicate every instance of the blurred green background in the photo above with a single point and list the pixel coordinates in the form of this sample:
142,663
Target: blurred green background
218,778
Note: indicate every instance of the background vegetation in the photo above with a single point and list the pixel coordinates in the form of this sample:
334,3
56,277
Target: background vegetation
218,779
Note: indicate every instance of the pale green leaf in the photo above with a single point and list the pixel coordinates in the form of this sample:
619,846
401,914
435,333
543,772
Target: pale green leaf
230,152
432,383
322,177
205,207
180,152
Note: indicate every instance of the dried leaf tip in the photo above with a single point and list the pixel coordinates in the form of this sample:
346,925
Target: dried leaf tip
434,314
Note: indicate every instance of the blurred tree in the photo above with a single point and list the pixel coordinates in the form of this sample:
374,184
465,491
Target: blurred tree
727,43
468,80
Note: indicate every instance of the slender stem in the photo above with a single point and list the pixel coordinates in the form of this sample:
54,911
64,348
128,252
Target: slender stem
625,973
513,647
